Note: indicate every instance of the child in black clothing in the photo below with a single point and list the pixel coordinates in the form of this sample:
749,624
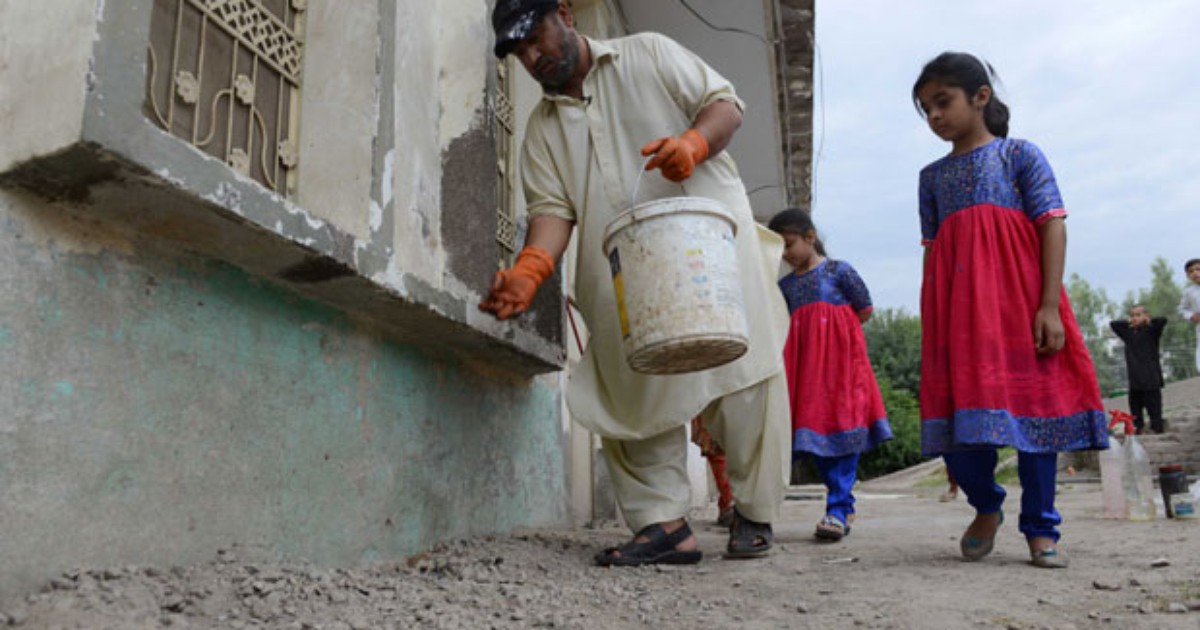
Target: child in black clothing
1141,334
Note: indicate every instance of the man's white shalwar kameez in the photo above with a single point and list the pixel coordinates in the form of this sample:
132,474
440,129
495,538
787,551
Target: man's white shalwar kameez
580,162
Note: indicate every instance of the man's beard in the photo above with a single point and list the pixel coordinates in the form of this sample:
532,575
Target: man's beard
556,79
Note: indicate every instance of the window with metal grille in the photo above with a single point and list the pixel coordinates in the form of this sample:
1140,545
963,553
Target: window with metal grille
506,166
224,75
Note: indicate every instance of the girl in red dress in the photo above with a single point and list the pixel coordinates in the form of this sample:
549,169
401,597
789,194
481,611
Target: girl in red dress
1002,359
837,412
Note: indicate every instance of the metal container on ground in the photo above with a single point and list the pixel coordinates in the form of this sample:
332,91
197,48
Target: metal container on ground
679,299
1172,480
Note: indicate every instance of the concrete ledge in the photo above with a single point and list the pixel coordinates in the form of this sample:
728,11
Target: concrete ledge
314,258
110,162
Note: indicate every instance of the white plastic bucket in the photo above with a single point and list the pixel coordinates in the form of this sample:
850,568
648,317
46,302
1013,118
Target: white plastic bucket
674,269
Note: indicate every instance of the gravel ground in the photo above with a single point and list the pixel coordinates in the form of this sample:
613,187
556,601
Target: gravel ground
898,569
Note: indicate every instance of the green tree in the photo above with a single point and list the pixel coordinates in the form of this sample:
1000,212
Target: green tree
894,344
1162,299
1094,310
904,450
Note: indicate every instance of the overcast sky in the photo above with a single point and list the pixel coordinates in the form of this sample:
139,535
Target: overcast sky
1110,90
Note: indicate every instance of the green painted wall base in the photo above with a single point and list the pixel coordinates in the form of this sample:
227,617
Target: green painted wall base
156,406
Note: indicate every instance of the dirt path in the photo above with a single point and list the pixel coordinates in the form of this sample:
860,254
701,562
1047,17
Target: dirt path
899,569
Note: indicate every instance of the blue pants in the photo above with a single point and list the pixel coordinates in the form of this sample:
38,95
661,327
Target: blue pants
839,474
975,472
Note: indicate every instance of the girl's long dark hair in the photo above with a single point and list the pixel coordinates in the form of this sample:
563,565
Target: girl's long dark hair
798,222
966,71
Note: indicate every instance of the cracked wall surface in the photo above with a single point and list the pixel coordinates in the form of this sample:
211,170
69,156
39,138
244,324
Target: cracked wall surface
192,360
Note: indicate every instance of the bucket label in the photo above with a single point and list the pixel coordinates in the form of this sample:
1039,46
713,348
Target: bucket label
614,263
1183,505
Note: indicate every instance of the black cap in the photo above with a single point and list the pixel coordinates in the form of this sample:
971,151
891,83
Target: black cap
514,20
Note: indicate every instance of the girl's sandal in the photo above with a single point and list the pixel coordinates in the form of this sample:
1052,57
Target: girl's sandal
1048,558
977,548
831,529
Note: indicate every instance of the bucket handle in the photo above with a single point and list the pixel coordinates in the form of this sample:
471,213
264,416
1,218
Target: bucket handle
638,183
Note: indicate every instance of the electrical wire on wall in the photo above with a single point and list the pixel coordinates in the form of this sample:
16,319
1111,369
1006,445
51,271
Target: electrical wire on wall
620,9
723,29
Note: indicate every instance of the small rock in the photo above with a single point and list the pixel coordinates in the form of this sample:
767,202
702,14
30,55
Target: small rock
1176,607
802,608
174,603
1105,585
63,584
1159,563
1192,604
1135,582
1093,615
1146,608
17,616
1046,601
264,610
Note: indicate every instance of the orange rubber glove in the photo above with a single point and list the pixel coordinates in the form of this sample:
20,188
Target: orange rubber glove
679,156
513,289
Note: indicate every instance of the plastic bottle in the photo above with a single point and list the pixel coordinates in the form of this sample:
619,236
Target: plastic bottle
1112,473
1138,482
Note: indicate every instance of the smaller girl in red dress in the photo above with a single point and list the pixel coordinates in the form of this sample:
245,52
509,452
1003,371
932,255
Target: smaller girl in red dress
837,411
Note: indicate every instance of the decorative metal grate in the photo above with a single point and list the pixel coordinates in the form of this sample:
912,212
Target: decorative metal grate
506,175
225,76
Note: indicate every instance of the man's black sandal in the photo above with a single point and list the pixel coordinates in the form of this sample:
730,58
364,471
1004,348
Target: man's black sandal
659,548
748,539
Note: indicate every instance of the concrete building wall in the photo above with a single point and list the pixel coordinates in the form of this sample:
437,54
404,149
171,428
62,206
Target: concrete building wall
52,88
340,115
159,406
193,360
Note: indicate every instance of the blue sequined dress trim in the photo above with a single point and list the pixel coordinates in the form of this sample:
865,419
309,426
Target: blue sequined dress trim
858,440
973,428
